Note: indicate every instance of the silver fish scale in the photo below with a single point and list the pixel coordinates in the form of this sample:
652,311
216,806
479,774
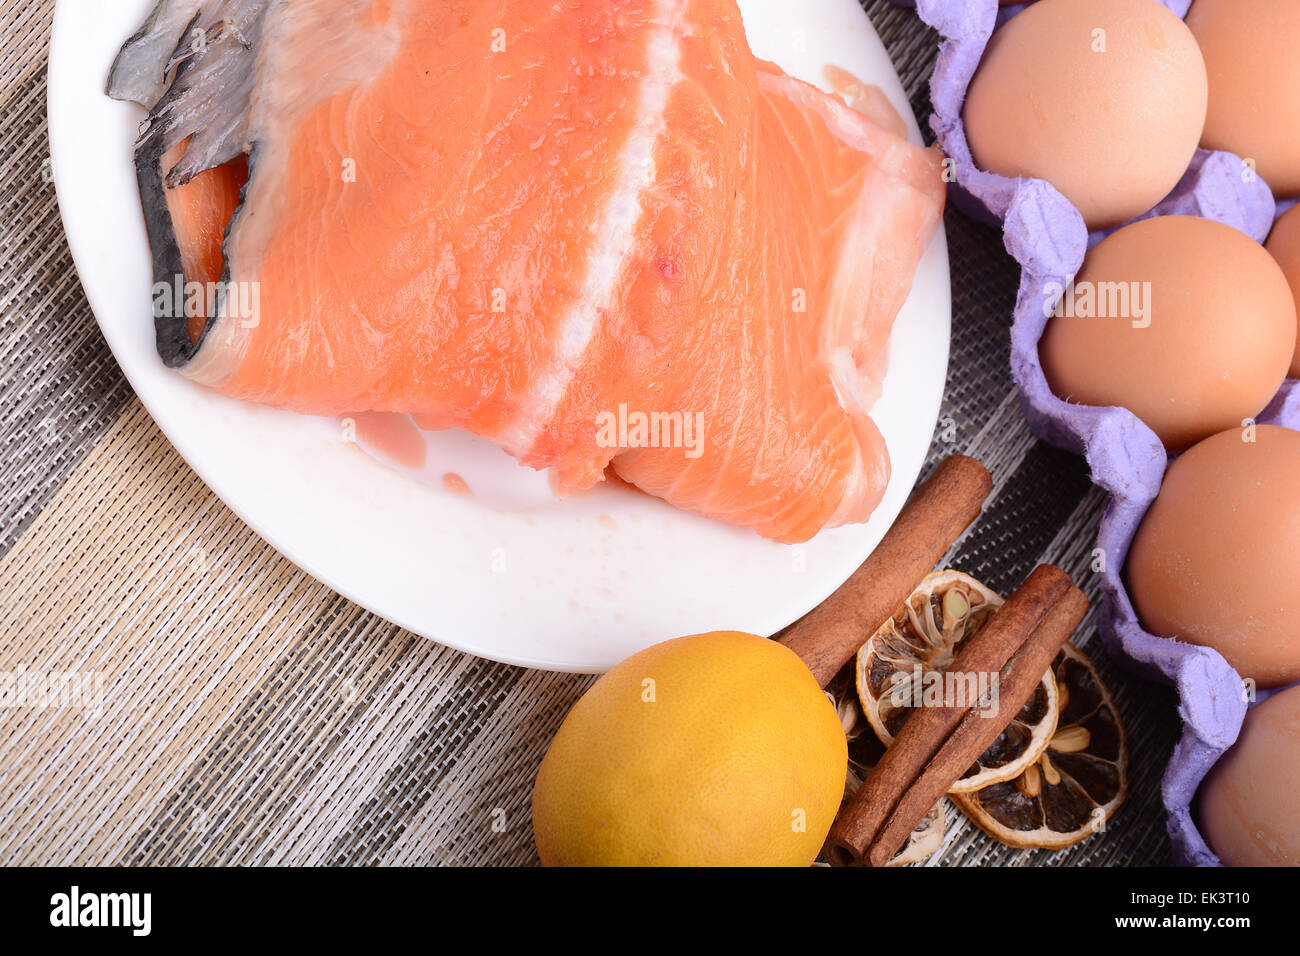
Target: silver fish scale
139,73
211,60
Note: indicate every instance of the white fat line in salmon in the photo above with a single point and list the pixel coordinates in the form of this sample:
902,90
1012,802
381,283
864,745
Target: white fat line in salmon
624,429
179,298
615,234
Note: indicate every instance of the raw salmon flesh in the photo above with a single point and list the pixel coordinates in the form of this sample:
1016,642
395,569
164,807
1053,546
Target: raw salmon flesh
520,217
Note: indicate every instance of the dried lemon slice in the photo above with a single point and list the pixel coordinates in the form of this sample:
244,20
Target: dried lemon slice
1076,784
865,750
919,643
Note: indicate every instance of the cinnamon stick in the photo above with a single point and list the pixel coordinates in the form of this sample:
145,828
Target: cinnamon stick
827,636
976,732
926,729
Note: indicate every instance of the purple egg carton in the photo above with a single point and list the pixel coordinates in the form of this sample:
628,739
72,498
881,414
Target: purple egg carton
1046,235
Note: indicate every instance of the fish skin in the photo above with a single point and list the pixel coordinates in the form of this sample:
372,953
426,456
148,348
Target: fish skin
140,69
651,200
207,104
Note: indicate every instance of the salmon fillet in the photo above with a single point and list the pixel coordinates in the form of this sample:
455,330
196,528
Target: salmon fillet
546,222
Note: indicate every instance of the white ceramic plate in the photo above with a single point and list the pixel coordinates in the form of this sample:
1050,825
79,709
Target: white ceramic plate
575,585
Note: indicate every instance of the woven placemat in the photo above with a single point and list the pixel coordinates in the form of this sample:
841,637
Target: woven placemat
192,697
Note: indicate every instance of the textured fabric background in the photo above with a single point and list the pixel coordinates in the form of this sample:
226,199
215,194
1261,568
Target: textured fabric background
250,715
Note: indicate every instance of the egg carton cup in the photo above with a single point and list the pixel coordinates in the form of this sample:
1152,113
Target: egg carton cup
1046,235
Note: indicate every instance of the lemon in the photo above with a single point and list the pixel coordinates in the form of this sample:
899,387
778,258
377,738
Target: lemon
711,750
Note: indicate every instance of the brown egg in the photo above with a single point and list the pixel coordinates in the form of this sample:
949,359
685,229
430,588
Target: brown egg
1104,99
1250,802
1252,60
1284,245
1215,559
1206,344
